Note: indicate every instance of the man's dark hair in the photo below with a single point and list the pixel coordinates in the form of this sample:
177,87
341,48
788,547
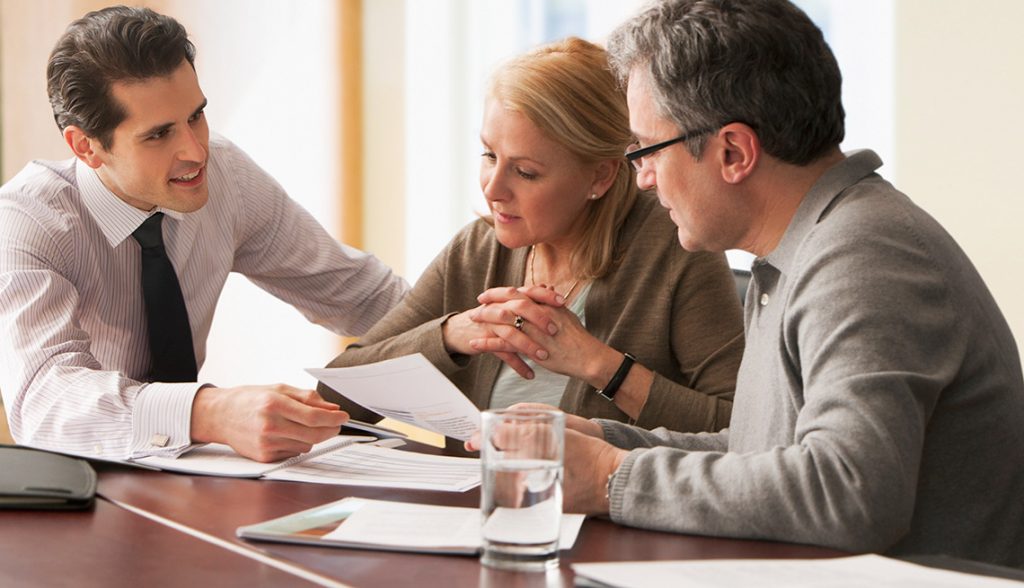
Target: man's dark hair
114,44
760,62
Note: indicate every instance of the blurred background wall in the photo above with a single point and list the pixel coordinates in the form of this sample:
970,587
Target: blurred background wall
368,114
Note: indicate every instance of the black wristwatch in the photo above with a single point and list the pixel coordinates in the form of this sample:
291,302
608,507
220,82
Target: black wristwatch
609,391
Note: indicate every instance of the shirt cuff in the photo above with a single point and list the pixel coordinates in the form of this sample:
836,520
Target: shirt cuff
162,419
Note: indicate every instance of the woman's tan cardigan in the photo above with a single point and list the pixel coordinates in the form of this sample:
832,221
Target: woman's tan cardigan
676,311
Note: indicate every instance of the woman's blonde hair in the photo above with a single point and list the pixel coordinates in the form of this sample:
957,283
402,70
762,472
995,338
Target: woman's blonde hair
568,91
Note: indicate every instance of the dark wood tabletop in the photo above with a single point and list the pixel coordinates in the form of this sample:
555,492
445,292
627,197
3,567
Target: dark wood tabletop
110,546
218,506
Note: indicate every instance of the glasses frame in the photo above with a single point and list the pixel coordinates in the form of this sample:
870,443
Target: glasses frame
637,155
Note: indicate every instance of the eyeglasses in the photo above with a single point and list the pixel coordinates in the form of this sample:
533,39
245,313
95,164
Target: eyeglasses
636,155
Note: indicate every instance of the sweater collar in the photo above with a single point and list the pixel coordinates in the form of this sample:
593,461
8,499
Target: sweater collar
854,167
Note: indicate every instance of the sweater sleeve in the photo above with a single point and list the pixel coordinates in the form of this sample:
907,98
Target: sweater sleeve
630,437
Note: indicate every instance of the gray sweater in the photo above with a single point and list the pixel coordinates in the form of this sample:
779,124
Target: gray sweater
879,404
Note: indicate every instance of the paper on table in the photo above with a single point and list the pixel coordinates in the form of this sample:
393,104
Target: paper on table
338,460
381,467
530,524
401,524
215,459
862,570
408,389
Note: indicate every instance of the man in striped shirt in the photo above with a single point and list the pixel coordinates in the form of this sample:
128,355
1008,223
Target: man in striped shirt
75,357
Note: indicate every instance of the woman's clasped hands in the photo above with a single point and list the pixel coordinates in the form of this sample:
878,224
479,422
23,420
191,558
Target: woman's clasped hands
532,321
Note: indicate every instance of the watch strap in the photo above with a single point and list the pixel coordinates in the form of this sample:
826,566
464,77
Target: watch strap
609,391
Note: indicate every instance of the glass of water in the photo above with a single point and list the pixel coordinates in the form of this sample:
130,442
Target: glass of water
521,496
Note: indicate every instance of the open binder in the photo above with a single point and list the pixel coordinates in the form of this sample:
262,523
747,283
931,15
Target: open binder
35,479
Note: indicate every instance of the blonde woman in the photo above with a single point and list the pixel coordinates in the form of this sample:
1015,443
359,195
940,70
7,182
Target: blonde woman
566,215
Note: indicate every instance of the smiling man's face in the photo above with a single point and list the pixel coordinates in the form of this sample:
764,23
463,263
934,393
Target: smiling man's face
159,151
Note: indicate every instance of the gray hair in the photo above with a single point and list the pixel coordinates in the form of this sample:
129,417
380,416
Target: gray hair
759,62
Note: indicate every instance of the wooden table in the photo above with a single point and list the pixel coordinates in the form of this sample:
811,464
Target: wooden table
217,506
109,546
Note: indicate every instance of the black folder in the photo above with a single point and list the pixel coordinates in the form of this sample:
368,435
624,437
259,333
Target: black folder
35,479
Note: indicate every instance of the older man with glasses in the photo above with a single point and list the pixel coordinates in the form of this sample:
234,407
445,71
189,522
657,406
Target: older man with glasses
879,403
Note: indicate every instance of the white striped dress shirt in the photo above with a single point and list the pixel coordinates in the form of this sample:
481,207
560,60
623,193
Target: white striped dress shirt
75,349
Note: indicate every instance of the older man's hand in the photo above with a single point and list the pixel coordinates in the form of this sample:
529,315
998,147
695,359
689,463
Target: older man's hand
589,460
588,463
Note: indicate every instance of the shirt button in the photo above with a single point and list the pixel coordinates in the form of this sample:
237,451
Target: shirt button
764,299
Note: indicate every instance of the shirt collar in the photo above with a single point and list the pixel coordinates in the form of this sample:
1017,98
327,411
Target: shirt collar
854,167
115,217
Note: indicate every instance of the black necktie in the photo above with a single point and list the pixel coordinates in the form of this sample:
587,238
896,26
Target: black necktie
170,336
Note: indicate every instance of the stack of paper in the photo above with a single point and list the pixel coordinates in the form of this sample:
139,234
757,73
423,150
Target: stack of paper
341,460
370,465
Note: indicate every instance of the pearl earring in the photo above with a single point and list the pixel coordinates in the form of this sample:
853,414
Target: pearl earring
594,196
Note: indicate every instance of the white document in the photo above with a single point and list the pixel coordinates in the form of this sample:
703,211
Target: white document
340,460
408,389
215,459
371,465
844,572
401,524
530,524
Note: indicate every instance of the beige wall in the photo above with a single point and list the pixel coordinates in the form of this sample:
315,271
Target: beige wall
959,87
959,81
384,131
5,431
270,69
28,31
